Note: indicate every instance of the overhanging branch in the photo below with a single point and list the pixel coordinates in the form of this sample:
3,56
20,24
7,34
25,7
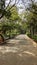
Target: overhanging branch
8,4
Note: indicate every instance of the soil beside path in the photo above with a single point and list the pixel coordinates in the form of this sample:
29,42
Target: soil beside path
19,51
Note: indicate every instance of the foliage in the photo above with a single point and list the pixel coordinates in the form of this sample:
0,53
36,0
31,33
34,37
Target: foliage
35,38
4,11
14,13
31,19
12,25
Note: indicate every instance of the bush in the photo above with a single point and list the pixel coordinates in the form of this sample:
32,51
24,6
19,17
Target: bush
33,37
29,35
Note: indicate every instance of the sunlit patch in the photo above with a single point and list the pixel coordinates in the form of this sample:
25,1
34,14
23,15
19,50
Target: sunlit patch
34,44
20,55
9,49
13,41
30,53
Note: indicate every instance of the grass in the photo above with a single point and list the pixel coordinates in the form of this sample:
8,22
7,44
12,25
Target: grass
33,37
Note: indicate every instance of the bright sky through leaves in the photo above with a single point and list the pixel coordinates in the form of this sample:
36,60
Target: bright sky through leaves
20,5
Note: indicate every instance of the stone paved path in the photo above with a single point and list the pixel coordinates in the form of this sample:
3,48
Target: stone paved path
19,51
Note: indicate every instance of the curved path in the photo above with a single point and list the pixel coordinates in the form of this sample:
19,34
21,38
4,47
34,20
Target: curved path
19,51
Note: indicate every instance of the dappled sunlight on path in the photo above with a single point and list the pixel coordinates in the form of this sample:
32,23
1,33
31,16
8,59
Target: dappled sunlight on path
19,51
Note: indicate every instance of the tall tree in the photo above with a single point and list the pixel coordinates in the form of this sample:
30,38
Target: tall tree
4,9
33,18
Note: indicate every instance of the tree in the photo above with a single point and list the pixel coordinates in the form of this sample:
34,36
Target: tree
32,19
4,11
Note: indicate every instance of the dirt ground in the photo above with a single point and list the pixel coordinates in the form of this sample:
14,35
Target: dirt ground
19,51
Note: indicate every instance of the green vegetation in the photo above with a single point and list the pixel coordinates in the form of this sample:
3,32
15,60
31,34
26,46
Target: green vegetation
12,24
32,22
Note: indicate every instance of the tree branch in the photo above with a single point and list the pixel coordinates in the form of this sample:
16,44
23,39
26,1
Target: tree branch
8,4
